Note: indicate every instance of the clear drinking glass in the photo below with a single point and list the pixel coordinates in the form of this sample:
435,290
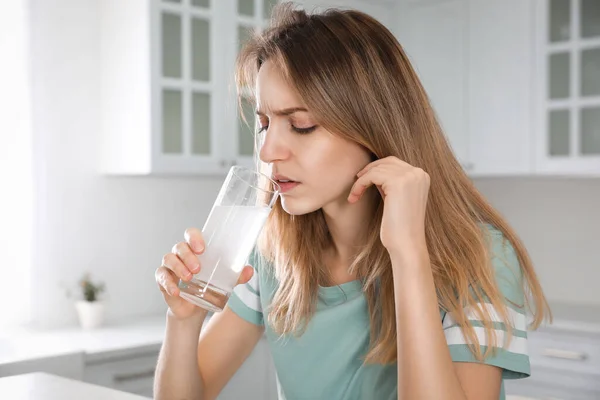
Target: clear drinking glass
230,233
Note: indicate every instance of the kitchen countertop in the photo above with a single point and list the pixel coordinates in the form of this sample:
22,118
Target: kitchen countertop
147,333
116,339
42,386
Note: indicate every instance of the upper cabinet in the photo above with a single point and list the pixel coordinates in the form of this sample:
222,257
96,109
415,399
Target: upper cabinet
168,94
250,16
568,87
477,73
515,84
499,87
435,39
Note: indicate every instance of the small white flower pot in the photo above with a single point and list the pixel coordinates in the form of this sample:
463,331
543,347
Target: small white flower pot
91,313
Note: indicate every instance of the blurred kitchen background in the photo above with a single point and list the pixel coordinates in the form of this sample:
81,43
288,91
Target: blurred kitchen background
118,125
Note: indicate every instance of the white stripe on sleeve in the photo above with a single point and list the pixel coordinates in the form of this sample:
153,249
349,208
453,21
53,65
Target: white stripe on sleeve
517,319
249,298
253,282
517,345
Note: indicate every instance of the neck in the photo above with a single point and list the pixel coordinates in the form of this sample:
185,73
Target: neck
347,224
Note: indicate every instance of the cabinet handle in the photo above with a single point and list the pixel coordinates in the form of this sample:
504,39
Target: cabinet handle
135,375
223,163
514,397
468,166
517,397
564,354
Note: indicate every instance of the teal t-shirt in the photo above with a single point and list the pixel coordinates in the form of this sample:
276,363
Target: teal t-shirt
326,361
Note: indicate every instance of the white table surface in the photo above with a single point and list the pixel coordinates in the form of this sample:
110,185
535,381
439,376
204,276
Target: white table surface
42,386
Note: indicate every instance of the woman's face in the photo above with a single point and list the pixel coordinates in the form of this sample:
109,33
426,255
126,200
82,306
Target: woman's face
321,165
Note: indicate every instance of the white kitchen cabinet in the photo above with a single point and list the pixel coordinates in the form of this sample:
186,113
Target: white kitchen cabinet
132,373
499,88
564,356
132,370
564,365
434,36
249,15
378,9
568,87
168,99
474,60
121,356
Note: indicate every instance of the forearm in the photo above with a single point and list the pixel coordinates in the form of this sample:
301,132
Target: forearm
425,368
177,374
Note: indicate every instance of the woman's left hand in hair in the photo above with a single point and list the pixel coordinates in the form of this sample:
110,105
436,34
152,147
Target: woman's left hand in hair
404,189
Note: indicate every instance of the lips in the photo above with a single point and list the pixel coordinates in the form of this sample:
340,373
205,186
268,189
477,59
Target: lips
283,179
285,183
287,186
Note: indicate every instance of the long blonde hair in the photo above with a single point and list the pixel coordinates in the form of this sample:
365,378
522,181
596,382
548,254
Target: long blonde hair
358,83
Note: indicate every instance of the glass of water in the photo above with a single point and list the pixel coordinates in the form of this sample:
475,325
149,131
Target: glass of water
230,233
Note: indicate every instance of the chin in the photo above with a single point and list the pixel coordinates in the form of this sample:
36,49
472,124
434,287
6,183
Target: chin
297,206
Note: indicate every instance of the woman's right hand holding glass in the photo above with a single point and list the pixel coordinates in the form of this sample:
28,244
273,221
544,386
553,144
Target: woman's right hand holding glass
183,263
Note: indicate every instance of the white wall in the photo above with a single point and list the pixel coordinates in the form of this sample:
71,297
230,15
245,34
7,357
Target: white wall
16,219
119,228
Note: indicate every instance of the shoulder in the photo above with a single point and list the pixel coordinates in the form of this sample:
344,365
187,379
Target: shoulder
505,263
264,272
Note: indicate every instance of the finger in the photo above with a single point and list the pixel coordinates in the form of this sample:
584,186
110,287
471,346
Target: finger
187,256
246,275
172,262
166,281
373,177
391,160
194,238
376,163
370,166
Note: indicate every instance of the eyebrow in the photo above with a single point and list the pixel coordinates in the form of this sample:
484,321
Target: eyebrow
285,111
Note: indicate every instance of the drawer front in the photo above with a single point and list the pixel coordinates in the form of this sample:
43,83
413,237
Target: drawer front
527,389
549,383
133,375
572,352
566,379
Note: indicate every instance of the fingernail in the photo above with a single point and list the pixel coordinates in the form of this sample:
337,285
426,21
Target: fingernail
196,268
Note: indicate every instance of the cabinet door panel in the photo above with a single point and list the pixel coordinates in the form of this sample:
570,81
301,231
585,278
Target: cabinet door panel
435,43
500,88
171,45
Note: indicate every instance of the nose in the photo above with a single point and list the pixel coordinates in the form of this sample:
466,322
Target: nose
275,145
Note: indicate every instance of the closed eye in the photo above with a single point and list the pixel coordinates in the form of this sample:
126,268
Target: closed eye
302,131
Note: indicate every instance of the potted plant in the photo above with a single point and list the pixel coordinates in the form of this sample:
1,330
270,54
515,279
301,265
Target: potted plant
90,309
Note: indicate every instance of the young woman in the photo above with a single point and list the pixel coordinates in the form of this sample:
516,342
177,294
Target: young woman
381,273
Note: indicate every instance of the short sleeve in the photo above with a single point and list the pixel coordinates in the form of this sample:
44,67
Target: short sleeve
514,358
245,299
